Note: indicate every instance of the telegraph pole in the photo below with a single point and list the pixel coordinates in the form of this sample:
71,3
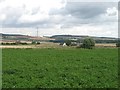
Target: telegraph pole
37,32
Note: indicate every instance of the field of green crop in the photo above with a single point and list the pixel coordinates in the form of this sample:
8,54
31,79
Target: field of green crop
59,68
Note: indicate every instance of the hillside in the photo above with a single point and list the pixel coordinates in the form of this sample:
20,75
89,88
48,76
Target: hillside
81,37
55,38
15,37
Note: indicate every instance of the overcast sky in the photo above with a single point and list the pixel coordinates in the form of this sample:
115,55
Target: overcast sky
59,17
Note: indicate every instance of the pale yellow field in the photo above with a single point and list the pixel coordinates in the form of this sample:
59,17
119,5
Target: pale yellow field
106,45
42,45
49,45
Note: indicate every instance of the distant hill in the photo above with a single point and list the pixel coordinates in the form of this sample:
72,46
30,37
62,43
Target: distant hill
11,34
81,37
78,37
22,37
67,36
56,38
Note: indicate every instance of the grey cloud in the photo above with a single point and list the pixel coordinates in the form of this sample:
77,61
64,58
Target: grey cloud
35,10
74,14
16,24
88,10
84,13
12,16
84,9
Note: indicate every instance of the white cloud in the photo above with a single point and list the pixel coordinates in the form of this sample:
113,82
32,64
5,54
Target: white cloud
112,11
28,11
32,13
28,18
2,17
98,30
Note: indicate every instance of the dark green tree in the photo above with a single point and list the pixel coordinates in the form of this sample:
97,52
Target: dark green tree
33,42
118,44
38,42
68,42
88,43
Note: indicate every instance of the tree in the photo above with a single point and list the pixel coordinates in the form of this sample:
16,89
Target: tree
88,43
118,44
68,42
33,42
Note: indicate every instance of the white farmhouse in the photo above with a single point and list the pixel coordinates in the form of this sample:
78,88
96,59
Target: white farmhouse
64,44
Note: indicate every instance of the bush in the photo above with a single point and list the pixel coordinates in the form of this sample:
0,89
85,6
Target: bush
33,42
118,44
88,43
24,43
73,44
2,43
13,43
38,42
61,43
7,43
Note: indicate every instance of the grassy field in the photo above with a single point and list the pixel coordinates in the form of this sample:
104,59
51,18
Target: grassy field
67,67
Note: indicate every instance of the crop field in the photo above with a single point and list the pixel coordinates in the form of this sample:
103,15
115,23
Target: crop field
60,68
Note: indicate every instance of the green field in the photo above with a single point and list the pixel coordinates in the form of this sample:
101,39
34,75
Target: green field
58,68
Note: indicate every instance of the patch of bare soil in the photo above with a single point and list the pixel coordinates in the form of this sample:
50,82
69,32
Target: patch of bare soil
106,45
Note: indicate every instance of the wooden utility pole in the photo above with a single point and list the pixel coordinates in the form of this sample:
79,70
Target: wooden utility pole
37,32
